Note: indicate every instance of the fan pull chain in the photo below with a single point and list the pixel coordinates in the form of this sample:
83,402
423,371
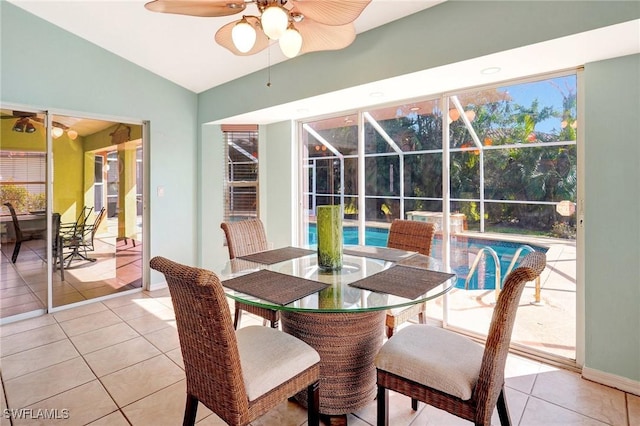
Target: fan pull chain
269,66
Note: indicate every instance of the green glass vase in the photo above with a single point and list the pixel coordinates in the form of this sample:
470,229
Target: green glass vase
329,225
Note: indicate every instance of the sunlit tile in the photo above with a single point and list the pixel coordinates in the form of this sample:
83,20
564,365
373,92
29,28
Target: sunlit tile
83,404
149,323
542,413
28,324
163,407
124,300
143,307
570,391
90,322
121,355
142,379
113,419
80,311
37,358
176,356
165,339
29,339
103,337
47,382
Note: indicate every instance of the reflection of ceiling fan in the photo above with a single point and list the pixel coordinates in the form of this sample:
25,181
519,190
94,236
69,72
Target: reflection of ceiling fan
300,26
24,124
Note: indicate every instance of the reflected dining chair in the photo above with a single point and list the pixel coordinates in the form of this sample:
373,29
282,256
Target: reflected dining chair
79,238
450,371
247,237
56,245
239,375
409,235
21,235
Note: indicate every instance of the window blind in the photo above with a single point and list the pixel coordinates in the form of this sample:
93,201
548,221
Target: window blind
241,177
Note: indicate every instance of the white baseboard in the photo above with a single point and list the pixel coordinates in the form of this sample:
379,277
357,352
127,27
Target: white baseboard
608,379
157,286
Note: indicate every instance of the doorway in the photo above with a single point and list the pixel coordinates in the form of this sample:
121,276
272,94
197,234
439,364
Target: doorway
75,185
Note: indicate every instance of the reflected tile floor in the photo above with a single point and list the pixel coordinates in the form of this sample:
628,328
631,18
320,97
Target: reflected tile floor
118,362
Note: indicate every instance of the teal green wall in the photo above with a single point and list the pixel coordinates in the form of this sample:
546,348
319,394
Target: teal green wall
612,216
277,164
44,66
449,32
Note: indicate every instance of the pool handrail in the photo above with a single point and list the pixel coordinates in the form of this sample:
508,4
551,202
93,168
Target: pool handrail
474,266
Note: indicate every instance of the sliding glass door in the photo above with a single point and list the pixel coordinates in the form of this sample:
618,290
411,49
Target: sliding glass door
97,190
24,225
71,192
494,169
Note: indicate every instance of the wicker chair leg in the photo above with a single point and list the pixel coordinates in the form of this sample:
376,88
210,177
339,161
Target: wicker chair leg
236,318
190,411
275,324
313,404
503,410
383,406
16,250
390,331
414,404
422,317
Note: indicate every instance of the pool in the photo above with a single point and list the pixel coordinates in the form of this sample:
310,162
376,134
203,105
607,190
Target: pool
463,252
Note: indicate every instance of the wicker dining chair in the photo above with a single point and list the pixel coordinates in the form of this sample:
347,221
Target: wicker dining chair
409,235
450,371
239,375
247,237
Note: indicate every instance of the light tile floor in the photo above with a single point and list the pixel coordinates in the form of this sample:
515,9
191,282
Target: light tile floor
118,362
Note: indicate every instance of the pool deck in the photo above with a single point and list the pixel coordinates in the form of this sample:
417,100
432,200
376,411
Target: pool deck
548,326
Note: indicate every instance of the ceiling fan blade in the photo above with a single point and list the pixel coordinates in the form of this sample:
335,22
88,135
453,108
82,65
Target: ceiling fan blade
223,38
207,8
316,36
331,12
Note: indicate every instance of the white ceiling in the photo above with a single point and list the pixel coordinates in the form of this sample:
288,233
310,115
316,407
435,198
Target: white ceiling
177,47
181,49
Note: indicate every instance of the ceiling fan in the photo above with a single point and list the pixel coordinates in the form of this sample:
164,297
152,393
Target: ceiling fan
301,26
25,120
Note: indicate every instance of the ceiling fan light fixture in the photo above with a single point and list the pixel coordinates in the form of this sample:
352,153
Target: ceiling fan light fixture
72,134
274,21
29,127
56,132
243,35
20,125
291,42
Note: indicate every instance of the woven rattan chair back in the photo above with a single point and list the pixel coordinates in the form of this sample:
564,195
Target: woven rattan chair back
491,380
207,339
411,235
248,237
245,237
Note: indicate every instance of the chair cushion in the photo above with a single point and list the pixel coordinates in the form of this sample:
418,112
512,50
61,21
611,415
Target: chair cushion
433,357
269,357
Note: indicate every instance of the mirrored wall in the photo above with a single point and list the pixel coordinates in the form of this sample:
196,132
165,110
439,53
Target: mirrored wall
78,215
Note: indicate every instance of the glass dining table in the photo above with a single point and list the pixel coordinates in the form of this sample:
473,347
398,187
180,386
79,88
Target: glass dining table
339,313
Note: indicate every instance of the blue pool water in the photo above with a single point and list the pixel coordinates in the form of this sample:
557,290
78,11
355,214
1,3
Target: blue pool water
463,252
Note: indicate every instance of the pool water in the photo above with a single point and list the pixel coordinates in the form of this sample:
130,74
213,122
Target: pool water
463,253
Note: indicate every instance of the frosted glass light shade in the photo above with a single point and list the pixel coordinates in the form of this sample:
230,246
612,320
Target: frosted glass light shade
291,42
72,134
243,36
274,22
56,132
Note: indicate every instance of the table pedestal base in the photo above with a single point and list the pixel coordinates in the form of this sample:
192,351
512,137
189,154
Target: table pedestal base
347,343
